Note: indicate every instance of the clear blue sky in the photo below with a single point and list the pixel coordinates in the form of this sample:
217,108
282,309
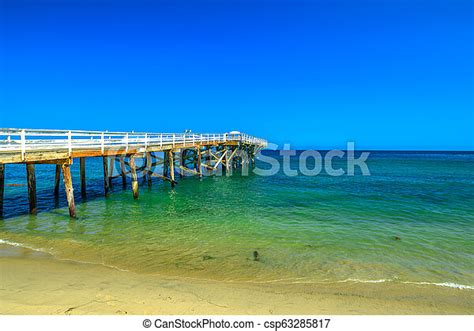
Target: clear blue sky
387,74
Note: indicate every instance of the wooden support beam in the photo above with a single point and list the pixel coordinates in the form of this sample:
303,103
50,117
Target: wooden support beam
2,187
82,162
188,170
163,177
69,189
208,167
219,161
31,177
133,171
106,176
171,166
57,178
122,171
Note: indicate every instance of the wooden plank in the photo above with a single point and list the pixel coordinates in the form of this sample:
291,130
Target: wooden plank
57,178
2,187
31,178
69,189
82,162
133,171
106,175
56,161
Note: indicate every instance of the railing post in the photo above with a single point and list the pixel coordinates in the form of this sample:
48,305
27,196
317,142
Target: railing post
69,143
102,145
146,140
126,142
23,144
173,139
161,139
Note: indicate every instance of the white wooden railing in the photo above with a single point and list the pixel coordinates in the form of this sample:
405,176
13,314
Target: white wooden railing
31,140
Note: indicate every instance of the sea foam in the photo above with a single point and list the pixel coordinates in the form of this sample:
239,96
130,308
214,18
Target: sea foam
16,244
445,284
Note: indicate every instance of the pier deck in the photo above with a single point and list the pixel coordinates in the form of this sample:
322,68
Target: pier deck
189,153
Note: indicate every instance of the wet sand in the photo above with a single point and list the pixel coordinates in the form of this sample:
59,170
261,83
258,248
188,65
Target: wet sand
36,283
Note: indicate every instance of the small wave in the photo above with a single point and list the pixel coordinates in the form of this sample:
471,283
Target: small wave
12,243
447,284
355,280
16,244
91,263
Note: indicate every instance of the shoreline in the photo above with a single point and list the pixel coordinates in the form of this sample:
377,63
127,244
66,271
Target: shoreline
13,248
37,283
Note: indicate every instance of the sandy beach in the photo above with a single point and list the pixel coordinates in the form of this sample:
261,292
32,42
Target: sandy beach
36,283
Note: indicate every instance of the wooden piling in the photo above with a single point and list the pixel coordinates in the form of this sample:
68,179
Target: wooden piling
209,156
111,170
199,161
69,189
171,166
2,187
209,159
149,172
235,159
133,171
166,163
31,178
225,164
82,162
106,176
182,162
57,178
122,171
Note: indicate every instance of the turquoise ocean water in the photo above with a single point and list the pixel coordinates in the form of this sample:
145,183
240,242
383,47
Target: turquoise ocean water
305,229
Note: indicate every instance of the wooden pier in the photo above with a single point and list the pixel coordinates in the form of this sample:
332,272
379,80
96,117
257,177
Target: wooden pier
182,153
